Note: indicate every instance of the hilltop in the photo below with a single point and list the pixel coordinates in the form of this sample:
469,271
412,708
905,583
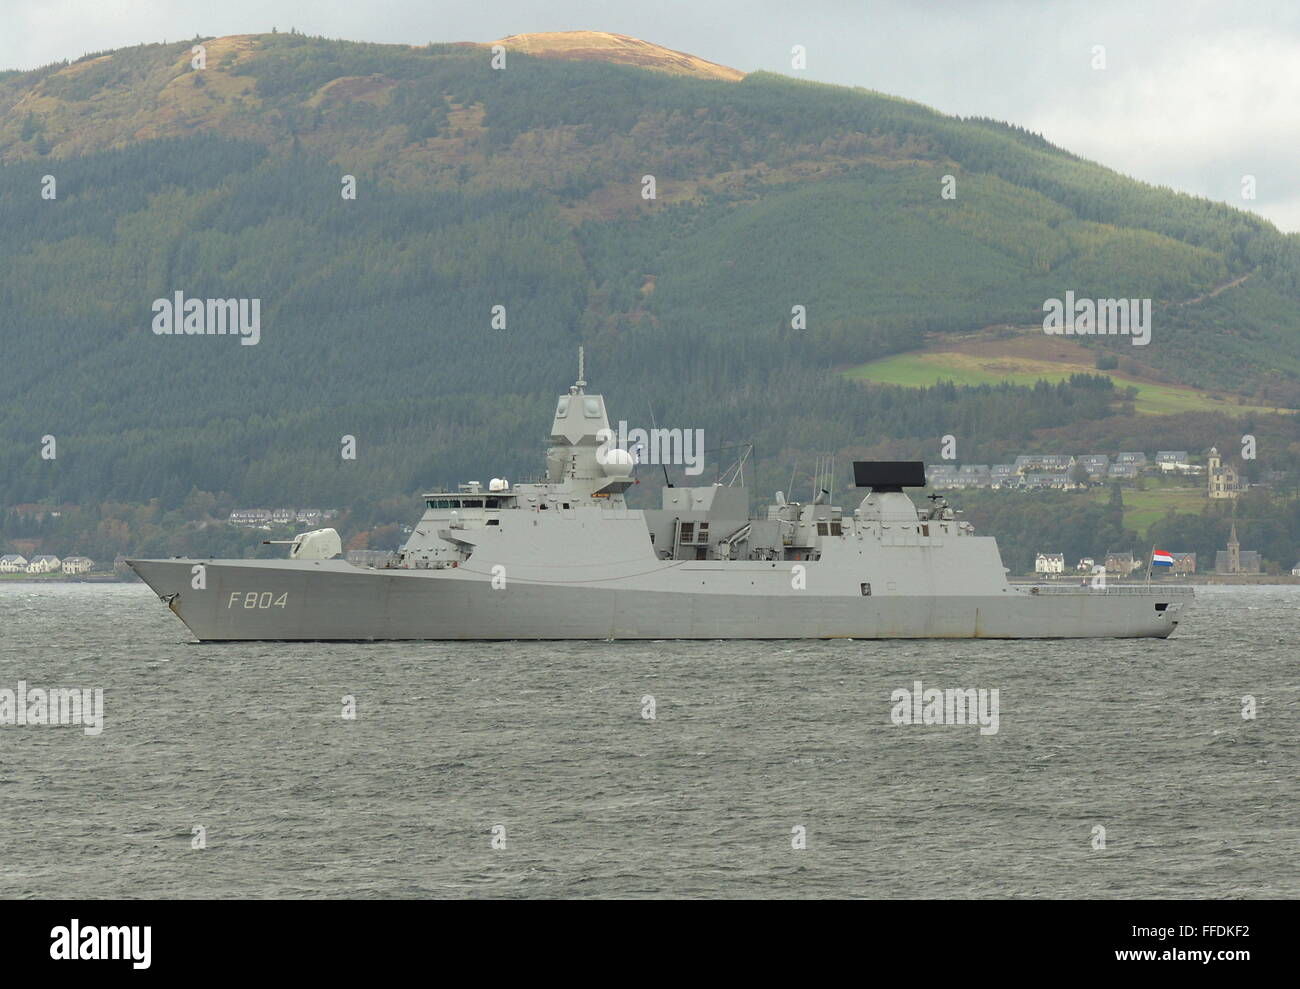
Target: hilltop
600,46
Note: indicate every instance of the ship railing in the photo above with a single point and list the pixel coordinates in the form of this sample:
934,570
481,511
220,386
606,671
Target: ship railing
1141,589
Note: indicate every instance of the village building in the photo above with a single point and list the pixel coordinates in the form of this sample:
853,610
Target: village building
13,563
1172,460
1096,464
250,516
288,516
1121,564
1085,564
1183,563
45,563
1043,480
78,564
1235,559
1222,479
1002,474
941,475
1033,462
974,476
1122,471
1049,563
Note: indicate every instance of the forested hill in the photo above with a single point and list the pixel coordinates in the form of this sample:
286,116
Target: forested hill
523,187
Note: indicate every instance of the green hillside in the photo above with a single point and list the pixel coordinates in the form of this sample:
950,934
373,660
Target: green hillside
522,188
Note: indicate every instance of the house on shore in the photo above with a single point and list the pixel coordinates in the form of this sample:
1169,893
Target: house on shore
1120,564
1049,563
13,563
45,563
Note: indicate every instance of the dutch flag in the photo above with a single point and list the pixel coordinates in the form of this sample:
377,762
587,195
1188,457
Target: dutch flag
1159,558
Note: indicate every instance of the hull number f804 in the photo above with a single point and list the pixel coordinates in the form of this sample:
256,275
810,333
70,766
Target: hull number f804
254,599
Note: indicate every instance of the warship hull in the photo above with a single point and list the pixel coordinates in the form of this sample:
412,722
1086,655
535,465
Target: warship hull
282,600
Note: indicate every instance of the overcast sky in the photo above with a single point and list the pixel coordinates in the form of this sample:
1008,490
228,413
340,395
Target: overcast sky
1194,94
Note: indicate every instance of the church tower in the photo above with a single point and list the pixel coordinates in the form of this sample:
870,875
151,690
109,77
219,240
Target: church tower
1234,551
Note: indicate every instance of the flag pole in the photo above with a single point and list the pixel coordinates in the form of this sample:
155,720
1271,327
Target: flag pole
1150,560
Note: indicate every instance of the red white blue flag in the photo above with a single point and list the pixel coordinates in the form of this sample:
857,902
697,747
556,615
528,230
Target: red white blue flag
1159,558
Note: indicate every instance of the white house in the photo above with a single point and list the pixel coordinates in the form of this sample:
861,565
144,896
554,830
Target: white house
13,563
45,563
1049,563
1086,563
1172,460
250,516
78,564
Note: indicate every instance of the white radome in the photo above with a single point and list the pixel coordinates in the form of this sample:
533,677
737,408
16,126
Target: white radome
618,463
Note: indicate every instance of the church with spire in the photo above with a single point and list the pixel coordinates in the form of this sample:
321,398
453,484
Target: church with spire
1234,559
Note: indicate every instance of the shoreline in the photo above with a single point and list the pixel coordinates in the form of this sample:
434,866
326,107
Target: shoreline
1246,579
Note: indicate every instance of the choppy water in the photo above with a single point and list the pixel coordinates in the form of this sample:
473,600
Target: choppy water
750,740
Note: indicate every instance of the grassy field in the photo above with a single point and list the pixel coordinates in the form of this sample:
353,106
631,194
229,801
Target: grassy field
1141,508
921,369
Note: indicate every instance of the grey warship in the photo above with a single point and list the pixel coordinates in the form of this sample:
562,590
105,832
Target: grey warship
566,558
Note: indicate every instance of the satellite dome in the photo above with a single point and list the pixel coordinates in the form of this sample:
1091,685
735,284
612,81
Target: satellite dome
618,463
